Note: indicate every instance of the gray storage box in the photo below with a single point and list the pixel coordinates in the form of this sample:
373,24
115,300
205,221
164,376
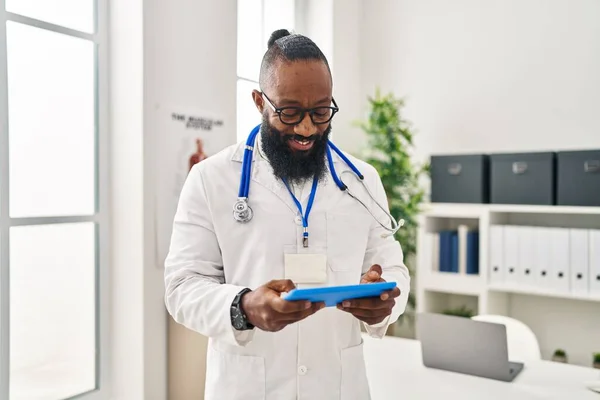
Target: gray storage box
578,182
523,178
460,178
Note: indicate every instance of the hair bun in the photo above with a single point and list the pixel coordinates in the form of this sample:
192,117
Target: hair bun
278,34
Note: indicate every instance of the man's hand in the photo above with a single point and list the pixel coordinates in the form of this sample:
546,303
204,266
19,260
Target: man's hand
372,310
266,309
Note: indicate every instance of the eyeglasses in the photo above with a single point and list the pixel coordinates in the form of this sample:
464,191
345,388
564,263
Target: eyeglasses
294,115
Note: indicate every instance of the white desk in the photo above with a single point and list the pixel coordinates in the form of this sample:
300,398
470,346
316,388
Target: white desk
395,371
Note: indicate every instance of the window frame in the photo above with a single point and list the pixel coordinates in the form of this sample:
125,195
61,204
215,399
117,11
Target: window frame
263,41
100,218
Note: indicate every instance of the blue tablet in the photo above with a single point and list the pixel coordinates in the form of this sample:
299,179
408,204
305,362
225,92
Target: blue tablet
333,295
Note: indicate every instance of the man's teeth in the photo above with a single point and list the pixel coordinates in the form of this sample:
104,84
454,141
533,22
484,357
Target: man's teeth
302,142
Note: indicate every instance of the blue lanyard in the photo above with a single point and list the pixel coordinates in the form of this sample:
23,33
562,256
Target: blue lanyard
244,188
311,199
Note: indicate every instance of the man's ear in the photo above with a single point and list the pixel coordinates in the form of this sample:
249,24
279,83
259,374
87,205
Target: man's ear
258,100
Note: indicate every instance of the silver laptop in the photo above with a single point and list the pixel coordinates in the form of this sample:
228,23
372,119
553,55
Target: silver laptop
462,345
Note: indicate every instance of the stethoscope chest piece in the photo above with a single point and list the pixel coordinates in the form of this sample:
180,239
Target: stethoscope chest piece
242,211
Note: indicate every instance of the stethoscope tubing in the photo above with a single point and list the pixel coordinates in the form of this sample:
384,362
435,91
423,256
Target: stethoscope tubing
243,192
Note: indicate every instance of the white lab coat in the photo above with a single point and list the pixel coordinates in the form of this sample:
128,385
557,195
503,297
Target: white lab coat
212,257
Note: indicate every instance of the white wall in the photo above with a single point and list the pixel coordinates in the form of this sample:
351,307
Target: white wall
127,201
183,53
334,25
504,75
347,29
494,76
190,62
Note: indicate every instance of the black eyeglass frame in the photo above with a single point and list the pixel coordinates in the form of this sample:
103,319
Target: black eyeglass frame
302,111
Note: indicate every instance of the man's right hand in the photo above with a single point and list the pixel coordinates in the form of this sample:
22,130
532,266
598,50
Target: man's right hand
267,311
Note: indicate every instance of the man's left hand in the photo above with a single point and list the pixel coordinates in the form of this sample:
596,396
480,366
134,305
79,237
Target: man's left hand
372,310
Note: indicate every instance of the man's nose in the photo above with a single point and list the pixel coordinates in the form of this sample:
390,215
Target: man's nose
305,127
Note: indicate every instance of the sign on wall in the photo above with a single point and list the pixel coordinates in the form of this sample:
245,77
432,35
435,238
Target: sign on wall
185,137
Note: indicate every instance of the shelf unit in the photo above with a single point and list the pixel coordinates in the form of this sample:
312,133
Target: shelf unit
559,319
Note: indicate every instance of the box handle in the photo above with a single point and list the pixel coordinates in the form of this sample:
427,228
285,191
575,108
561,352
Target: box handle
519,167
454,169
591,166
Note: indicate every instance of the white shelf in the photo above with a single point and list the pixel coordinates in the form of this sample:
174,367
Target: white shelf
448,210
534,291
451,210
450,282
527,209
559,319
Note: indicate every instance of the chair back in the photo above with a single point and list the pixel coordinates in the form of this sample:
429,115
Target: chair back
522,343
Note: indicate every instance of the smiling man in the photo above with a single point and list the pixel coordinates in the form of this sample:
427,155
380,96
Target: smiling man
269,215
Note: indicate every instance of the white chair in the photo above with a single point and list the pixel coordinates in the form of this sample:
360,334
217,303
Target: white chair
522,343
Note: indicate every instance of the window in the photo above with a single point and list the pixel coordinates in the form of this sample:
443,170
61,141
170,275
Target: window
257,19
52,214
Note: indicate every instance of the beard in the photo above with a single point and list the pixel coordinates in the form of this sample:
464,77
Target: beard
290,165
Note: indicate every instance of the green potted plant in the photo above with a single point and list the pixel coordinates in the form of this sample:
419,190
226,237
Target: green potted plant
560,356
462,311
389,147
596,362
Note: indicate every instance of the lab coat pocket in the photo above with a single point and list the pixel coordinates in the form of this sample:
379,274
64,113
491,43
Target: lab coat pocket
234,376
355,385
347,239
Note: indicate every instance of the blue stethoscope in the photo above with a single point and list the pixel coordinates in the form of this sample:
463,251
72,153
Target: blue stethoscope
243,213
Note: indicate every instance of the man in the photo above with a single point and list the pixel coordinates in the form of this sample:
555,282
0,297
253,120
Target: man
224,278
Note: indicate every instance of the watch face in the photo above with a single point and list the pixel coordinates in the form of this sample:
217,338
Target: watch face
237,319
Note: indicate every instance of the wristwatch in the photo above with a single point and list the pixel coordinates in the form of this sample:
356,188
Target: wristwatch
239,320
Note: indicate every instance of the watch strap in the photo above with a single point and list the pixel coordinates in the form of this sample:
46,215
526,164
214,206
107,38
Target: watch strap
236,309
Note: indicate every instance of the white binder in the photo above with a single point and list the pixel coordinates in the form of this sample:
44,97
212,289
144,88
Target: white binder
595,262
542,257
560,260
433,240
496,266
511,255
526,269
579,261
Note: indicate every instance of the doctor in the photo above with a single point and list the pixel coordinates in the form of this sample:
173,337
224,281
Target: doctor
225,272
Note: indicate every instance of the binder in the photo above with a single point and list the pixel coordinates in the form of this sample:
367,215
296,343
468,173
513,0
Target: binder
472,253
526,268
496,266
454,252
434,240
543,257
595,262
511,254
446,253
463,232
559,249
579,252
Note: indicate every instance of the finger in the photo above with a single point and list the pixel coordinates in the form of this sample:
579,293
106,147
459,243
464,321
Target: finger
300,315
368,313
281,285
369,303
390,294
373,274
376,268
285,306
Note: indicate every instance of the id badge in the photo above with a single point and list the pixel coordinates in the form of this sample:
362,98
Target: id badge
306,265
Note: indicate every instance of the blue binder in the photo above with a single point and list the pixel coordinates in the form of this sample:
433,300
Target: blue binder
445,251
448,251
473,253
